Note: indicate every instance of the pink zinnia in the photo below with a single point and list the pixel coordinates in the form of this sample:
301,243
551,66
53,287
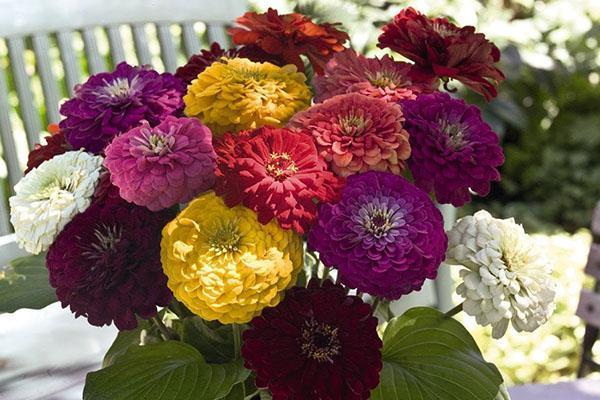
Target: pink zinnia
162,166
384,78
356,133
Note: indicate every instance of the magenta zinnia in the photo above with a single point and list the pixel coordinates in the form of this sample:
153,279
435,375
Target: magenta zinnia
454,150
105,264
356,133
318,343
162,166
385,236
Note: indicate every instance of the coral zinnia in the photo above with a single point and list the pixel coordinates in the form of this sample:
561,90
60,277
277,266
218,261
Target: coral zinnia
287,37
441,49
356,133
199,62
238,94
318,343
105,264
453,149
110,103
162,166
48,197
55,145
384,78
224,265
385,236
275,172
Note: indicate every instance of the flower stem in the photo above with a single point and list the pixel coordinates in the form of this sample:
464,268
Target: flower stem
454,311
165,332
325,274
375,304
237,340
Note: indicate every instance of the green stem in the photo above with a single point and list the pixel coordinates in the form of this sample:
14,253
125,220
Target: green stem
165,332
325,274
237,340
375,304
454,311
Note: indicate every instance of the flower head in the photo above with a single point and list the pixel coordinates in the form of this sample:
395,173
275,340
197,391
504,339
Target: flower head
110,103
318,343
238,94
287,37
162,166
49,196
442,49
453,150
275,172
356,133
223,264
385,236
351,72
55,144
199,62
507,278
105,264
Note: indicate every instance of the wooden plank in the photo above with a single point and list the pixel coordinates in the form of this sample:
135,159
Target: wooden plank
596,220
69,60
191,42
217,33
6,135
41,48
95,61
592,267
29,113
16,19
140,40
117,53
589,308
5,227
168,52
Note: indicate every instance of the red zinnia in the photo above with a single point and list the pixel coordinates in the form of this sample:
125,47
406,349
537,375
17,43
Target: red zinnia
318,343
55,144
442,49
286,37
275,172
199,62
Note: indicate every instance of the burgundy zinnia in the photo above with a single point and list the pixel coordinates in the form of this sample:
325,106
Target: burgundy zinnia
286,37
275,172
199,62
110,103
453,150
383,78
385,236
55,145
105,264
442,49
162,166
318,343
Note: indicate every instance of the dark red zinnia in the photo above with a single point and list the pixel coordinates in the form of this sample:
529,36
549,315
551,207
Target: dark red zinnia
199,62
275,172
285,37
55,144
442,49
318,343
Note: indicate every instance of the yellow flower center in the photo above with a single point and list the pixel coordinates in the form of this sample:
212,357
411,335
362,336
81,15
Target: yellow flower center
225,239
319,341
281,166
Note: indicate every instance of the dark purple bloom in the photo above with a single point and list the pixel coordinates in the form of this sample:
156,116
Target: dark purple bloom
199,62
385,236
453,149
110,103
105,264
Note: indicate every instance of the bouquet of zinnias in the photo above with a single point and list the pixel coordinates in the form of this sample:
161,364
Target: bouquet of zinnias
246,227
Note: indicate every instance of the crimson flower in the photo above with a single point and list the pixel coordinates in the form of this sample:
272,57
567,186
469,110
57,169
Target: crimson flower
199,62
442,49
55,144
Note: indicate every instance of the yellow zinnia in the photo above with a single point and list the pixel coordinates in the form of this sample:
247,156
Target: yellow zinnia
237,94
223,264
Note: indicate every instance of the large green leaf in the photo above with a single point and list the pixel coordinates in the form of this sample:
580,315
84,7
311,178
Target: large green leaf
123,341
24,284
163,371
428,356
214,343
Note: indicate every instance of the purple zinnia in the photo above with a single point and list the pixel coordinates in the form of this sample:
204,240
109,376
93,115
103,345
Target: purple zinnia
105,264
453,149
112,102
162,166
385,236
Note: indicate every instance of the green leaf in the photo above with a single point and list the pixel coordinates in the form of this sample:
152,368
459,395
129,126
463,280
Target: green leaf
236,393
163,371
24,284
215,344
122,343
428,356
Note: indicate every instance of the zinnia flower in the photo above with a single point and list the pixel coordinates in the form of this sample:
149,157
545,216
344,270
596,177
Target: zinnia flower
287,37
49,196
162,166
110,103
105,264
55,145
356,133
199,62
275,172
385,236
318,343
351,72
223,264
441,49
453,150
239,94
507,277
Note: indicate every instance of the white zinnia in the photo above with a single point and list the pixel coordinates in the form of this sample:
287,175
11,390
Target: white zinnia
49,196
507,276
